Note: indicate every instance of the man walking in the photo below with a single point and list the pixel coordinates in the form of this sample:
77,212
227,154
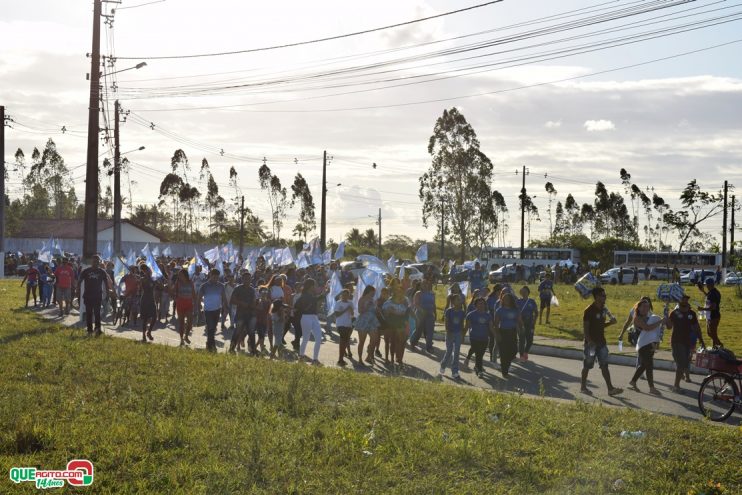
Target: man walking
214,300
594,324
243,298
683,322
93,282
713,301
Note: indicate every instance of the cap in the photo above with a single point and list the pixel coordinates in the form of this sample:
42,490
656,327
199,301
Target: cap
709,281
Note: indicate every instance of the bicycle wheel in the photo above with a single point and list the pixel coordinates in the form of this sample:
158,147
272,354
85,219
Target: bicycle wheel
716,396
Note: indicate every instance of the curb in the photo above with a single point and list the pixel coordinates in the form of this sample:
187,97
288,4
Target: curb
578,355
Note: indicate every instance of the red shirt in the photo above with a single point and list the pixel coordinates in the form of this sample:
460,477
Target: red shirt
131,285
32,274
65,274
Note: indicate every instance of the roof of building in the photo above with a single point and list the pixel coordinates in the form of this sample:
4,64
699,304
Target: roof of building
43,228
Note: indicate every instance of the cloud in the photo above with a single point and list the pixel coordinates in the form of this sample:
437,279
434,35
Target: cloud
553,124
599,125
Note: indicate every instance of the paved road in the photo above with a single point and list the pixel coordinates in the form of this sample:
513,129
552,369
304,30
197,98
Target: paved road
559,377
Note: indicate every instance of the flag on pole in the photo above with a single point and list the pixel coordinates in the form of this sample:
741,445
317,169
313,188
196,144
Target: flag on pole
167,252
340,251
422,253
131,259
366,278
335,288
108,251
327,256
45,255
149,260
192,267
286,257
156,251
392,264
119,270
373,263
212,254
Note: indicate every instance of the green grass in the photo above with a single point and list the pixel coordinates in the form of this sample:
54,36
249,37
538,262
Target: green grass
156,419
566,320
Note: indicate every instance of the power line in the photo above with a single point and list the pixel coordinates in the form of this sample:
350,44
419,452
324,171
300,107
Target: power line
319,40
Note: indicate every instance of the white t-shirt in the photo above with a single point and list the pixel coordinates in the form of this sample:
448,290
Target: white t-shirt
649,336
345,315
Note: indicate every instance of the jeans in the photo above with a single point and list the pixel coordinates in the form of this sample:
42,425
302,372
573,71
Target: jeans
92,311
525,339
645,362
479,346
244,327
425,324
508,345
212,320
453,346
310,326
277,324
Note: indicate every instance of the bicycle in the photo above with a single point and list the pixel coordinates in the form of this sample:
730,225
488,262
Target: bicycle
720,392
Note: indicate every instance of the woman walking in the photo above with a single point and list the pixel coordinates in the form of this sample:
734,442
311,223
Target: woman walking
649,326
454,320
528,313
147,308
344,322
367,324
507,325
396,313
425,311
306,309
185,299
479,324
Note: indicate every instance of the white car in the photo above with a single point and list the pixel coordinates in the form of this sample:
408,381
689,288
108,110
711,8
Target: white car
733,278
611,276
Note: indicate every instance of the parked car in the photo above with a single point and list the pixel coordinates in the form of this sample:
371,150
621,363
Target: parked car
424,267
695,276
413,272
507,273
733,278
660,273
611,276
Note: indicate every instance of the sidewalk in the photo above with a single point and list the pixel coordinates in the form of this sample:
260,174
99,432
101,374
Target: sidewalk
552,371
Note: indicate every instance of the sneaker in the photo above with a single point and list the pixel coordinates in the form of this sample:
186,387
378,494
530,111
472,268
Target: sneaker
585,390
342,363
455,375
615,391
632,386
316,363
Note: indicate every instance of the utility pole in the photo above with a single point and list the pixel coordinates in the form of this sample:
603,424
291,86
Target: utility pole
523,216
724,230
90,230
379,253
116,182
242,225
2,191
323,217
443,229
731,233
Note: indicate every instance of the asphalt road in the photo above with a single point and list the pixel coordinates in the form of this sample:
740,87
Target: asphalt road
555,377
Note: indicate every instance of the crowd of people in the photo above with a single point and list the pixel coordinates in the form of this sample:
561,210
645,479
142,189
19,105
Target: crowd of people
271,304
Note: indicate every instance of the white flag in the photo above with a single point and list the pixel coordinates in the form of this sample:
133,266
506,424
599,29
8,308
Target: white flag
212,254
327,257
422,254
340,251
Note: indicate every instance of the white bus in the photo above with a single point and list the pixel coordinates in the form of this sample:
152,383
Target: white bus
493,257
641,259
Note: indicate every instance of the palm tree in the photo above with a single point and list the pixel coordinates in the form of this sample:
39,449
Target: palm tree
354,237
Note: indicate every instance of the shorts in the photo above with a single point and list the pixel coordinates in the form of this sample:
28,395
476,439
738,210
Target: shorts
345,332
545,303
32,283
184,306
681,356
64,294
601,353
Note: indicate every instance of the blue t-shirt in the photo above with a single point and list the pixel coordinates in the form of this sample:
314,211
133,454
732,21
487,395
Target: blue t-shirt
527,307
212,293
493,302
427,301
455,320
476,279
545,289
508,318
479,325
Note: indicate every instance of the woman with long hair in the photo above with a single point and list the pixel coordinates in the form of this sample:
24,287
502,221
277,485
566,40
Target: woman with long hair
507,325
649,326
184,294
396,313
367,324
306,309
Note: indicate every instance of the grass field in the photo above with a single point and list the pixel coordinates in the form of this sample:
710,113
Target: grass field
566,320
155,419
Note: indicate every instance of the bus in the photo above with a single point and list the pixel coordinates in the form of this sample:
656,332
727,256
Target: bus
494,257
667,259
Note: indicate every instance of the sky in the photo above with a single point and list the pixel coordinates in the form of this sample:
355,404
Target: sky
652,107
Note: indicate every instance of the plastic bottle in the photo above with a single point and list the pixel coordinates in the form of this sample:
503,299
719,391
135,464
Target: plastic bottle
620,345
633,434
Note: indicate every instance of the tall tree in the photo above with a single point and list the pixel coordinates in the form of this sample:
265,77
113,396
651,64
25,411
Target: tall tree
48,171
572,212
698,206
20,165
354,237
277,198
460,173
300,192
